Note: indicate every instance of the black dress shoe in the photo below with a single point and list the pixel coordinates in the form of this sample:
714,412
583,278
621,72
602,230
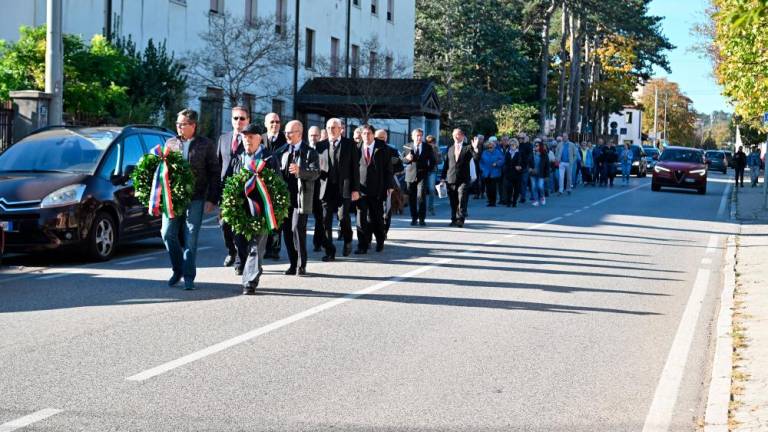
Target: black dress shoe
360,251
291,271
452,224
379,247
175,278
460,224
422,223
302,271
329,258
229,260
413,222
347,249
238,271
249,290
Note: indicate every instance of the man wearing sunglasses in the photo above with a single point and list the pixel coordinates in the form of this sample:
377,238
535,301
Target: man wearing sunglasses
230,147
274,141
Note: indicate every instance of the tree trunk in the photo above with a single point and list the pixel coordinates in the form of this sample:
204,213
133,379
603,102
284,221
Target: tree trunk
574,83
544,69
563,60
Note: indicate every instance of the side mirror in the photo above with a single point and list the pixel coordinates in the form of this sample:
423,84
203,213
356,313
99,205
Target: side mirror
124,177
129,170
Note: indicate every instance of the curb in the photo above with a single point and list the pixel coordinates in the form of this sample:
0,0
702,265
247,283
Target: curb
719,397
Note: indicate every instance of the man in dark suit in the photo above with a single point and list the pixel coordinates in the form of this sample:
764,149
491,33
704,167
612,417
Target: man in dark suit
250,253
318,237
274,141
419,161
339,185
229,149
300,169
456,175
376,181
201,154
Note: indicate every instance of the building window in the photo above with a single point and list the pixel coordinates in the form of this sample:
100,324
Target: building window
217,6
390,10
334,56
309,51
372,66
374,6
280,16
250,11
355,61
180,2
622,131
629,117
388,66
278,106
249,102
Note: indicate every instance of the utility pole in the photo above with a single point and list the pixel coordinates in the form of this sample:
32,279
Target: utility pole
656,116
666,101
54,62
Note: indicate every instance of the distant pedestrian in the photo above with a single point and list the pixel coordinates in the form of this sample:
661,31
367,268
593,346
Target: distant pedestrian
740,163
456,175
432,142
597,158
753,161
565,156
539,171
491,164
419,163
610,158
625,158
315,140
513,172
229,149
587,163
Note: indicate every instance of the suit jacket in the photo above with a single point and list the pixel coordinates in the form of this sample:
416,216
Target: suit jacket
457,172
345,171
309,171
376,177
573,151
420,166
276,146
205,167
225,156
510,162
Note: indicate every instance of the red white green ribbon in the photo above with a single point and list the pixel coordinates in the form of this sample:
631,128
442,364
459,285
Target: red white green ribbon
160,196
257,183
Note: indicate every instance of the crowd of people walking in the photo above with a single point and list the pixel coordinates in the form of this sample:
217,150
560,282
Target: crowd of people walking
330,176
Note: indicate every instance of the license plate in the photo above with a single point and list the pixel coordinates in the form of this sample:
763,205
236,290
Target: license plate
690,180
6,225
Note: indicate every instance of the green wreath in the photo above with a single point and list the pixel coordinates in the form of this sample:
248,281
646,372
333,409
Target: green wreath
235,210
180,174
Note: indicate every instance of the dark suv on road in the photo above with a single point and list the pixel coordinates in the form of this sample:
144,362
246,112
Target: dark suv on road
716,161
66,186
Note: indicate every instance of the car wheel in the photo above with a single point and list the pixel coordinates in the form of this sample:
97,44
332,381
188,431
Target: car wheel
102,240
655,187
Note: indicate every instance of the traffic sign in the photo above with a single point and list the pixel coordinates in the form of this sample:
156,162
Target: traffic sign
765,118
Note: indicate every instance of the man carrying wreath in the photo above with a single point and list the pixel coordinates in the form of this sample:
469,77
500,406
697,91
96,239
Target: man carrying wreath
251,252
200,152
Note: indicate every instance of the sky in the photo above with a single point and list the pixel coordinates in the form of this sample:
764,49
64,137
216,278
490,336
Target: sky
692,72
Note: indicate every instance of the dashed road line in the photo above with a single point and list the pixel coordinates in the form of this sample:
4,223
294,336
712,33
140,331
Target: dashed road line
28,420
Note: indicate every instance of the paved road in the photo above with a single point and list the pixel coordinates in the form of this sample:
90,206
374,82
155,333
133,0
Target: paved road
577,316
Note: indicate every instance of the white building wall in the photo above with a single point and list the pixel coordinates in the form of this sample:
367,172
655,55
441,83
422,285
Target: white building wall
632,131
179,23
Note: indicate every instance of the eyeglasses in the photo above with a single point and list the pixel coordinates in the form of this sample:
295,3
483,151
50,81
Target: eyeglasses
183,124
274,122
239,118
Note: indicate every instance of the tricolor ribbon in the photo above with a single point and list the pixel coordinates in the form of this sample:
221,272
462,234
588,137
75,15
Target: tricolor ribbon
160,196
257,183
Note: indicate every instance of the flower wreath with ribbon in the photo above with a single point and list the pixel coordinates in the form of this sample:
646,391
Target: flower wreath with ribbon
255,201
163,181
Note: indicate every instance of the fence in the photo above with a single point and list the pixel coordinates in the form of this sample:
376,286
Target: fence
6,125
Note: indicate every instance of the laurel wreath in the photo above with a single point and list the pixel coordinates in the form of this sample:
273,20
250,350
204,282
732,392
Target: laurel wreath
181,177
235,210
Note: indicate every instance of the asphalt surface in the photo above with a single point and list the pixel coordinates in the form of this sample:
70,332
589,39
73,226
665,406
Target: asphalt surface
557,318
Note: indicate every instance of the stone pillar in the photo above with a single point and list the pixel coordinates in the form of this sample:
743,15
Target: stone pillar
31,109
433,128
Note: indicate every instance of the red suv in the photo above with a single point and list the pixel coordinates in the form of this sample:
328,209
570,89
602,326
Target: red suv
680,167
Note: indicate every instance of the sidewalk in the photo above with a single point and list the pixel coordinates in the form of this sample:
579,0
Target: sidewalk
749,409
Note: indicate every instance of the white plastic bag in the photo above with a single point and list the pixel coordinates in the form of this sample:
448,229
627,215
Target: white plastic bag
472,171
442,190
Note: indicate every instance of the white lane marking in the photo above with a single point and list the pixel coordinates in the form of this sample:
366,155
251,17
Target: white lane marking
723,202
134,261
586,207
619,194
706,261
568,214
28,420
53,276
712,245
660,414
577,211
221,346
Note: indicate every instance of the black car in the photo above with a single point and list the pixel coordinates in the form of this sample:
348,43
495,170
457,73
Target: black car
716,161
65,186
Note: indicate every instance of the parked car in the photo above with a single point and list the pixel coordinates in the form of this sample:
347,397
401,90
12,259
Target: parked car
71,187
651,156
639,163
680,167
716,161
729,157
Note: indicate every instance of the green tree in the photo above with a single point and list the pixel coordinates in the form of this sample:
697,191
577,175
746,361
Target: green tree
516,118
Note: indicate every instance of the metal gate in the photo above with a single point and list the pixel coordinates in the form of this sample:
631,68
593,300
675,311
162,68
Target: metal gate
6,127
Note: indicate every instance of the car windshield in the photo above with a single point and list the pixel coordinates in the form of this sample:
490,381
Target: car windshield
57,151
675,155
715,155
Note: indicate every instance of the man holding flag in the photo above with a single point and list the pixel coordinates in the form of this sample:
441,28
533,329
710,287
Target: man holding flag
200,152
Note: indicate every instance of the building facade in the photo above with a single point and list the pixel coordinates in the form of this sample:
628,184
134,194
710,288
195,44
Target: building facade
627,125
336,30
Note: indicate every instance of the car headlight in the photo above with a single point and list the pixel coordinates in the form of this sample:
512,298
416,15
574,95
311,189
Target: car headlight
660,169
65,196
635,163
699,171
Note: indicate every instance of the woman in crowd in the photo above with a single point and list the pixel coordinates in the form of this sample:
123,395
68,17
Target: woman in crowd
539,171
491,164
